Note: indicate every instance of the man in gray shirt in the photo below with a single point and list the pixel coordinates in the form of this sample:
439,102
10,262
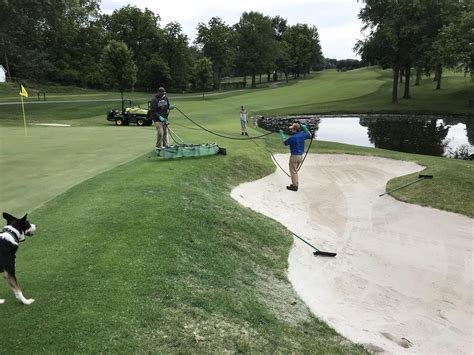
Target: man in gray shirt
159,110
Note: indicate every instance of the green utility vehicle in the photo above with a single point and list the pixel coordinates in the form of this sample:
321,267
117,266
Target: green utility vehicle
136,115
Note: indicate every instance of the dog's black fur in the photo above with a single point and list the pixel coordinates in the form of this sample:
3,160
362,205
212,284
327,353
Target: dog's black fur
10,237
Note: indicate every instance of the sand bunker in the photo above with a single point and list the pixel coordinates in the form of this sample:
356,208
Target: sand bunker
403,277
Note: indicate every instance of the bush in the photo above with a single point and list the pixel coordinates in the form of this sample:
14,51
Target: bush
463,152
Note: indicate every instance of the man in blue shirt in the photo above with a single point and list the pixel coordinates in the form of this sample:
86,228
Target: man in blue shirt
296,143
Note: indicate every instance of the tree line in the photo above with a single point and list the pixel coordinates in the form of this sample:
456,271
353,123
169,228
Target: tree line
71,42
419,37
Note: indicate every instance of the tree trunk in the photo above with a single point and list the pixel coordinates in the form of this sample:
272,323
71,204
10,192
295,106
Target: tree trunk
219,78
406,93
121,94
275,75
395,84
254,84
400,75
418,76
268,76
286,77
260,79
439,72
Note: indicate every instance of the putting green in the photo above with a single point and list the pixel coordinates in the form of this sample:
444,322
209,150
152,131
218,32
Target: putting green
50,160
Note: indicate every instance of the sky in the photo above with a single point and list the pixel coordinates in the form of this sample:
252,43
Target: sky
336,20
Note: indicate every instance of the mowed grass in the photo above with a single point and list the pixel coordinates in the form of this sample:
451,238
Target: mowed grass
50,160
150,255
155,256
369,90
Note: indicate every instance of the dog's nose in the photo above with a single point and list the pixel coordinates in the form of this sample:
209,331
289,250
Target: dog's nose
31,230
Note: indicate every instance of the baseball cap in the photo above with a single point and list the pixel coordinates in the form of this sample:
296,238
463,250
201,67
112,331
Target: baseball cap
161,89
295,126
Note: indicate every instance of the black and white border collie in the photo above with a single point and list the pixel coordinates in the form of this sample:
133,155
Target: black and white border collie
16,231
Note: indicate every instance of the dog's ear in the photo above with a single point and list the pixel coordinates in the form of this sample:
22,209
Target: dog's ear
24,217
8,217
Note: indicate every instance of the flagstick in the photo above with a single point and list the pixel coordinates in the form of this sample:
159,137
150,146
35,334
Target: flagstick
24,118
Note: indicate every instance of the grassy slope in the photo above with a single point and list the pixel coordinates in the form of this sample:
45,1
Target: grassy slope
152,253
373,95
120,267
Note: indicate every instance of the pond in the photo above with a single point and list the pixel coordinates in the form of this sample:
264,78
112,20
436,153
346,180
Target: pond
427,135
439,137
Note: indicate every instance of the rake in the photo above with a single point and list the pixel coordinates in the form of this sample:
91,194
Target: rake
420,177
317,252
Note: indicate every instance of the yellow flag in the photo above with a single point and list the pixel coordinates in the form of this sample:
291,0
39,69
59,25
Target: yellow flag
23,91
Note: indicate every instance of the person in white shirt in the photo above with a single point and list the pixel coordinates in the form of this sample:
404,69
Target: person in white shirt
243,120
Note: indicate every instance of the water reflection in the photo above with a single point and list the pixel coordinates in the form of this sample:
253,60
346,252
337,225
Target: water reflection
430,136
410,136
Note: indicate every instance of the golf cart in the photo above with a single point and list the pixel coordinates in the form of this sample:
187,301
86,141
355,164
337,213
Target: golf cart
128,115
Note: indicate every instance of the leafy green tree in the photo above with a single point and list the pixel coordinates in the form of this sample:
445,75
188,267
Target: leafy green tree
305,48
140,31
279,25
327,63
38,39
216,41
118,67
256,44
284,62
178,55
65,41
455,43
21,38
202,74
402,34
435,14
348,64
394,29
317,54
156,73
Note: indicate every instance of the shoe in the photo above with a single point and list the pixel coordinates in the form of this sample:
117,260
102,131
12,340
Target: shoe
292,188
246,134
242,133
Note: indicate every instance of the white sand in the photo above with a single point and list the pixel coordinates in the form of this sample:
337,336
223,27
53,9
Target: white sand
403,277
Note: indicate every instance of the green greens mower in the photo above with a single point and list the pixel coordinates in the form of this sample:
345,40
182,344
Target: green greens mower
136,115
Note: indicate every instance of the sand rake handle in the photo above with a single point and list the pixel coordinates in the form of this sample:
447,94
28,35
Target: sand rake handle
420,177
317,251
